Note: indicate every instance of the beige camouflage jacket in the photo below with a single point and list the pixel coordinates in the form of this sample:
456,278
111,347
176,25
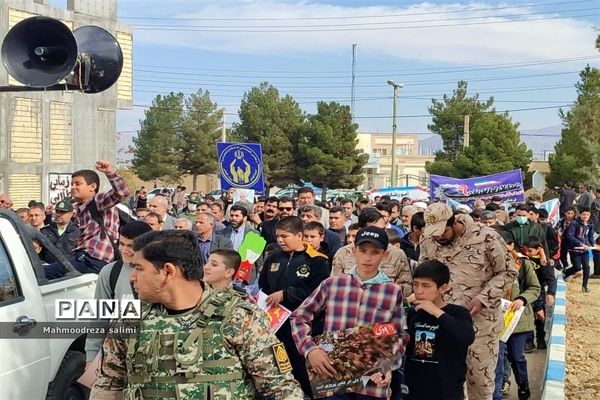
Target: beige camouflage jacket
395,266
480,266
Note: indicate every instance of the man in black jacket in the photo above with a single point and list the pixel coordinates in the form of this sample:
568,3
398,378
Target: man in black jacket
566,198
63,232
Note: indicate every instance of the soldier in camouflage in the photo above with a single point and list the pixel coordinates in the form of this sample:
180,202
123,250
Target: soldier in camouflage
481,270
191,343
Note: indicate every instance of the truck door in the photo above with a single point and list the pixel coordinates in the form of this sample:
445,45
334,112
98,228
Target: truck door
24,370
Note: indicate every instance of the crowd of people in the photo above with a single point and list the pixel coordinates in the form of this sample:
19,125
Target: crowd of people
438,274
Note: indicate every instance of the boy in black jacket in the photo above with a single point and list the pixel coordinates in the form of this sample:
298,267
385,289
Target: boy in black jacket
545,275
289,276
440,336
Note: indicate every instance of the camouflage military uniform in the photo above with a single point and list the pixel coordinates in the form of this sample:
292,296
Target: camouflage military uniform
395,266
221,350
481,268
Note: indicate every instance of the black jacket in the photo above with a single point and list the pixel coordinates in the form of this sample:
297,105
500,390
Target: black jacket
412,251
297,274
65,242
267,230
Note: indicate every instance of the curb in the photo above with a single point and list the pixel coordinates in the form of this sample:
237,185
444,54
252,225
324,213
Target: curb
554,383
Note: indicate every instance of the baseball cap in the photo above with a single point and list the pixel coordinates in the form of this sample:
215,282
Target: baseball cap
64,205
436,215
374,235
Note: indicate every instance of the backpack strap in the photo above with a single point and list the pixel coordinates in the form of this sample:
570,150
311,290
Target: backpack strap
93,209
114,276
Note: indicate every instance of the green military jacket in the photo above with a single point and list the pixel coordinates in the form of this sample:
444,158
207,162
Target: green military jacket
221,350
526,287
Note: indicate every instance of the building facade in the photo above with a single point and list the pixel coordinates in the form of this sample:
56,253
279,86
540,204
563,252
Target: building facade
45,136
409,160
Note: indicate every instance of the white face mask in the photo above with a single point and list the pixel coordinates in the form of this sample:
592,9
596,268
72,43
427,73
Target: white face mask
192,206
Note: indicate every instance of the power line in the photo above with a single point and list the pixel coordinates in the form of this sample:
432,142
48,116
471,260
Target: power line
358,16
221,26
245,30
421,97
315,98
387,116
341,85
386,71
337,75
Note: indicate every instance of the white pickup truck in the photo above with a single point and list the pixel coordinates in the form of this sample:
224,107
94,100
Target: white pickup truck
42,367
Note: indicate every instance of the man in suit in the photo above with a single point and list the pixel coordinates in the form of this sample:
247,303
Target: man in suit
208,240
238,226
160,204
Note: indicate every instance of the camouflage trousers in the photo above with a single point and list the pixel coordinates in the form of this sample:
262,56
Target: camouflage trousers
483,355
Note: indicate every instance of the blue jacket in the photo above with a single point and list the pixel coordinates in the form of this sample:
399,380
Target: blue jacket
579,234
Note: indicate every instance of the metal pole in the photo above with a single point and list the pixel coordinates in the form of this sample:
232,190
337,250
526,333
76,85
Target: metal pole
352,101
466,132
394,169
224,129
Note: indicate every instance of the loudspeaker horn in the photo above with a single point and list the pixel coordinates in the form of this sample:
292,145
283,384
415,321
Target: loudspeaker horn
41,52
100,59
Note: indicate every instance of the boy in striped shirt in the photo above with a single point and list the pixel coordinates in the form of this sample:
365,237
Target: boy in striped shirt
363,296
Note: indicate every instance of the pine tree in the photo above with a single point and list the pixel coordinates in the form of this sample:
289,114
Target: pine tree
196,141
494,145
276,123
327,155
155,155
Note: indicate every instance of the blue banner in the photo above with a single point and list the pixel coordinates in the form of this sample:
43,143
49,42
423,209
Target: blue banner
508,185
241,166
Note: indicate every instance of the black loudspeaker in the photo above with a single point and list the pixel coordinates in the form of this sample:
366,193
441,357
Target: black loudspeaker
41,52
100,59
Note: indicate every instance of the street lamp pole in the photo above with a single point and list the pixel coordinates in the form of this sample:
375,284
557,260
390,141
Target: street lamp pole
394,178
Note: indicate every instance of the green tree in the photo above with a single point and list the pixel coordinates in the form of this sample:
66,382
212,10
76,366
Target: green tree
327,155
154,154
576,155
196,141
276,123
494,145
448,116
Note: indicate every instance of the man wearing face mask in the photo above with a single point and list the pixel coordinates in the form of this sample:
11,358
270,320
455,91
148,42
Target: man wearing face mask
522,228
481,271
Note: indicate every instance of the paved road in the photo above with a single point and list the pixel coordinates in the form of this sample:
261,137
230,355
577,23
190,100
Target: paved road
536,368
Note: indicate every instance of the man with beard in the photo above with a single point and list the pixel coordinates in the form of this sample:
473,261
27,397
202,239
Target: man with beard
481,272
238,226
268,218
160,205
191,343
285,208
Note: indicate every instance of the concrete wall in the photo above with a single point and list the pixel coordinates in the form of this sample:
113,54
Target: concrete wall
70,129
